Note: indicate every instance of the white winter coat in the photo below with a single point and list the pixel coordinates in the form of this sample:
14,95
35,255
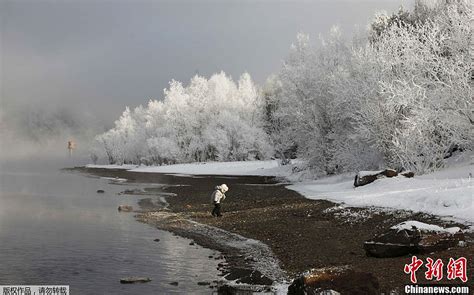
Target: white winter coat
217,195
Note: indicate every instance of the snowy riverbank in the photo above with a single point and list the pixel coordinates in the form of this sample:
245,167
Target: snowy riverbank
254,168
301,233
447,193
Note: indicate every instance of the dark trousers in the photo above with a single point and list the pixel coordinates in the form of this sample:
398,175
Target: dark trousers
217,210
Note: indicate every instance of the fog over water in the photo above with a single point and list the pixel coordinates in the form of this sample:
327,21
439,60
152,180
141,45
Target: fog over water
55,229
69,68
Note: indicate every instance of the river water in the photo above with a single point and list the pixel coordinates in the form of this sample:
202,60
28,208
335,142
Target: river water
55,229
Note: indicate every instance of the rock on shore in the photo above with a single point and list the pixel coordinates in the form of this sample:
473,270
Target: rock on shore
125,208
134,280
343,280
411,237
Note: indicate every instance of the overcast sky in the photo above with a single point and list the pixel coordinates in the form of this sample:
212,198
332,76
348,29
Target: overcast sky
97,56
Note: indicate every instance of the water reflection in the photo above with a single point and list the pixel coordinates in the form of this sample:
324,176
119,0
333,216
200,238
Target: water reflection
55,229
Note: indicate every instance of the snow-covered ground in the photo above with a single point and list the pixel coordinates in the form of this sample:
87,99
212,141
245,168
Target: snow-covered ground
425,227
448,192
124,167
264,168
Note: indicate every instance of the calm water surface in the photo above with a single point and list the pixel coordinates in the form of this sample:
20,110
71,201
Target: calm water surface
55,229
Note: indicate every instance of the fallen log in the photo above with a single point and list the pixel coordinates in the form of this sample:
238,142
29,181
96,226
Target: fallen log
366,177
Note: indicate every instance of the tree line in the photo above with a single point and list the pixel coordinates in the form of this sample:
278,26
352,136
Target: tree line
398,95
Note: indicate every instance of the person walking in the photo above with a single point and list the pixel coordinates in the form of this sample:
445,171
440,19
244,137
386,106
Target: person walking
217,196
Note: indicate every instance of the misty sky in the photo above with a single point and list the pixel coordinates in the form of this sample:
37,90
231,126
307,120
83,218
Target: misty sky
96,57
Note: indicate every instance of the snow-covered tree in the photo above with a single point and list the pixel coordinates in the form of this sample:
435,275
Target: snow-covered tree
212,119
399,96
301,106
403,98
423,104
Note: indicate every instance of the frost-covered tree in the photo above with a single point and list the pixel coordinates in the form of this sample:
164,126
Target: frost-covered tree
123,144
423,104
403,98
276,126
303,106
399,96
212,119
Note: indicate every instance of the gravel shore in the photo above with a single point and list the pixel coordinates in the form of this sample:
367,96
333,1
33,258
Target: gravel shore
269,233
